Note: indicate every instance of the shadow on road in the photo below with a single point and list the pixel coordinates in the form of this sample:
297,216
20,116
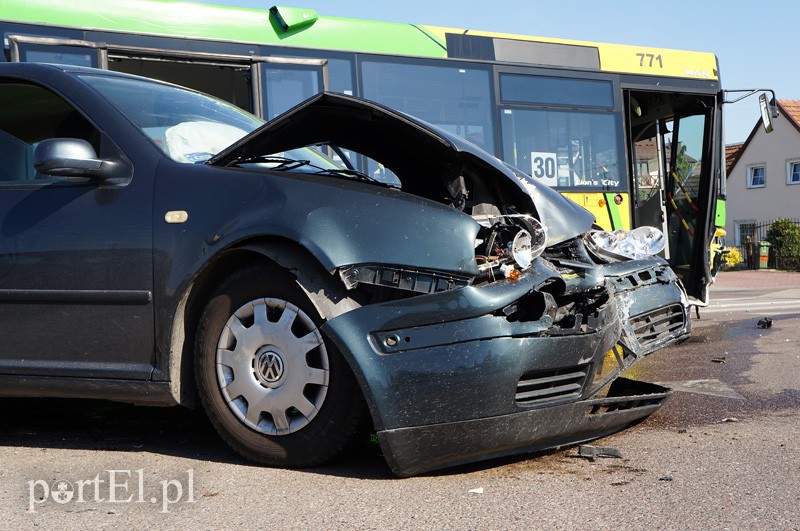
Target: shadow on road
171,431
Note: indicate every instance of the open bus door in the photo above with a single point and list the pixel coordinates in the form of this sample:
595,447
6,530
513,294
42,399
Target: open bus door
673,138
265,86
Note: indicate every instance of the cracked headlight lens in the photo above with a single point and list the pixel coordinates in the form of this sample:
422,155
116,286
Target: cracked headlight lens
626,245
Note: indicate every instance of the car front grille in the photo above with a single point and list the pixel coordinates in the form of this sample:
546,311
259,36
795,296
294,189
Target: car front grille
545,386
656,324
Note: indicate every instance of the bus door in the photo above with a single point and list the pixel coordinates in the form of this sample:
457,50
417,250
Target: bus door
34,49
648,147
672,139
264,86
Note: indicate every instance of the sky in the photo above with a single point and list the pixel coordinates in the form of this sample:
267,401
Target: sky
754,41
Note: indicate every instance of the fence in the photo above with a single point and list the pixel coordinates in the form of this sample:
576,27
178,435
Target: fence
783,237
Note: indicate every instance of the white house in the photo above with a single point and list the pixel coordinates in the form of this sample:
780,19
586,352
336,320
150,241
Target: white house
764,173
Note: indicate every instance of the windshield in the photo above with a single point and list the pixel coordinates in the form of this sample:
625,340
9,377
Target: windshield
563,131
188,126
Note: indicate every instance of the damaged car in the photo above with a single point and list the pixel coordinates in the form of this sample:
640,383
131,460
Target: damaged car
160,246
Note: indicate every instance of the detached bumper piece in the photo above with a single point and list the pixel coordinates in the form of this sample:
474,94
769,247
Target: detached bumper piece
416,450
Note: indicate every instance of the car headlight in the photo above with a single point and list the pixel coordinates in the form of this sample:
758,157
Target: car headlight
528,245
626,245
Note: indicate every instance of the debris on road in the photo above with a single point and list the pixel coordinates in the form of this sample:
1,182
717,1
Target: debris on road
720,359
730,419
766,322
479,490
593,452
665,478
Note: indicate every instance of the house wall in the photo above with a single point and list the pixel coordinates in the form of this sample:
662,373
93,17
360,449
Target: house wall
776,199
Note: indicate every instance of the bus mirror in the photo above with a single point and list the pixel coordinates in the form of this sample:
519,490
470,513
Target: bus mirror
293,18
769,110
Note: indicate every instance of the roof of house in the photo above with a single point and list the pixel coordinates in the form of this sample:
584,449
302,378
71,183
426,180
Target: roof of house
732,152
788,108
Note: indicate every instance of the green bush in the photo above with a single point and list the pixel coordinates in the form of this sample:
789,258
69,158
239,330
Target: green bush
784,238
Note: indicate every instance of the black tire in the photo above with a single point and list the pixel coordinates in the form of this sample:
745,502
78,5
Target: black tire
340,417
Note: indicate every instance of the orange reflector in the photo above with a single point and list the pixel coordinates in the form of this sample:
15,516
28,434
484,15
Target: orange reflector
601,203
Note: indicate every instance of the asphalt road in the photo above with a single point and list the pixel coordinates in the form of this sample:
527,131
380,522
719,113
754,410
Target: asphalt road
723,453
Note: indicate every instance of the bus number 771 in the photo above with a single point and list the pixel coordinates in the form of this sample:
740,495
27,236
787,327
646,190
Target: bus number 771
652,59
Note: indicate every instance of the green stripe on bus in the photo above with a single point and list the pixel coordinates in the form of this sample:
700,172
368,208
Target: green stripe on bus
225,23
613,211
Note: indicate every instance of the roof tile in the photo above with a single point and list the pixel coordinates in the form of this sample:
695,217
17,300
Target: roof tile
732,152
792,109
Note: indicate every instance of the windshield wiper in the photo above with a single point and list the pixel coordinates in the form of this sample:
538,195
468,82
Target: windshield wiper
282,163
359,176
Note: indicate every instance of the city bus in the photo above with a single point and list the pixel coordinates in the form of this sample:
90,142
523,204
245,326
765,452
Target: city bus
631,133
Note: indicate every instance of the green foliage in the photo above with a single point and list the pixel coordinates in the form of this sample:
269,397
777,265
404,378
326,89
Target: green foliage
784,236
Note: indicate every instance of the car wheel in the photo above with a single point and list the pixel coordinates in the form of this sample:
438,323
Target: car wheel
275,389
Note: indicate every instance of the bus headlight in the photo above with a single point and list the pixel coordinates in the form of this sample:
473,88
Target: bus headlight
626,245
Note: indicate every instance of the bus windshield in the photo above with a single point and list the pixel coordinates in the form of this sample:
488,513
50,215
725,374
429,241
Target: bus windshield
565,150
562,131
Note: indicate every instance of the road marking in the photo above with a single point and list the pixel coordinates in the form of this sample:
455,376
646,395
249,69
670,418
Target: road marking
751,307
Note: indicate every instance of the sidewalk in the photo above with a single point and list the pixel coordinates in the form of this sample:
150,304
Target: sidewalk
756,279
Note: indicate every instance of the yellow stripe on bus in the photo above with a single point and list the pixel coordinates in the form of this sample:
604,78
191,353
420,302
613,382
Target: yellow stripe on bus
595,202
620,57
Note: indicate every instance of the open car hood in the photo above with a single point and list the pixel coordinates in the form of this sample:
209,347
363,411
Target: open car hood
424,157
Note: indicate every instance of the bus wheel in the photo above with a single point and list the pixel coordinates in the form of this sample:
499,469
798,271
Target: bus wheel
274,388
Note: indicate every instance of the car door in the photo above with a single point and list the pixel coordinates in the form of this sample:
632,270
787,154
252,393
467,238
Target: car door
75,255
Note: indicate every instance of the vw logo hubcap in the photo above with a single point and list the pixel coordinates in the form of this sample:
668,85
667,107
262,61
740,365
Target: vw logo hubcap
269,368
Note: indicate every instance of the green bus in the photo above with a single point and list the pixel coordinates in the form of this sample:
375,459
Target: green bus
632,133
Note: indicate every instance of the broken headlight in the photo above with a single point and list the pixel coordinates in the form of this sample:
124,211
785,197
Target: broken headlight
509,242
625,245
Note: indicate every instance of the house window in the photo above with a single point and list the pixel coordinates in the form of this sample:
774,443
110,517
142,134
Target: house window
757,176
793,172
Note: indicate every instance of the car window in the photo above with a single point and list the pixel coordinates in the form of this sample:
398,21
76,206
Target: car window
188,126
29,114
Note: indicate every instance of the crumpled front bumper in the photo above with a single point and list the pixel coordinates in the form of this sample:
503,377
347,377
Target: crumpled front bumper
450,379
419,449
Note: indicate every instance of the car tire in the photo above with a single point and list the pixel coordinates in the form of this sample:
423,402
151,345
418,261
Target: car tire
274,388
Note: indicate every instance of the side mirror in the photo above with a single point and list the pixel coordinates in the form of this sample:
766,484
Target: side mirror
73,158
769,110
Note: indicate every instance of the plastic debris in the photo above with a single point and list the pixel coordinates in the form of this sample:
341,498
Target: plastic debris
665,478
766,322
593,452
720,359
479,490
730,419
